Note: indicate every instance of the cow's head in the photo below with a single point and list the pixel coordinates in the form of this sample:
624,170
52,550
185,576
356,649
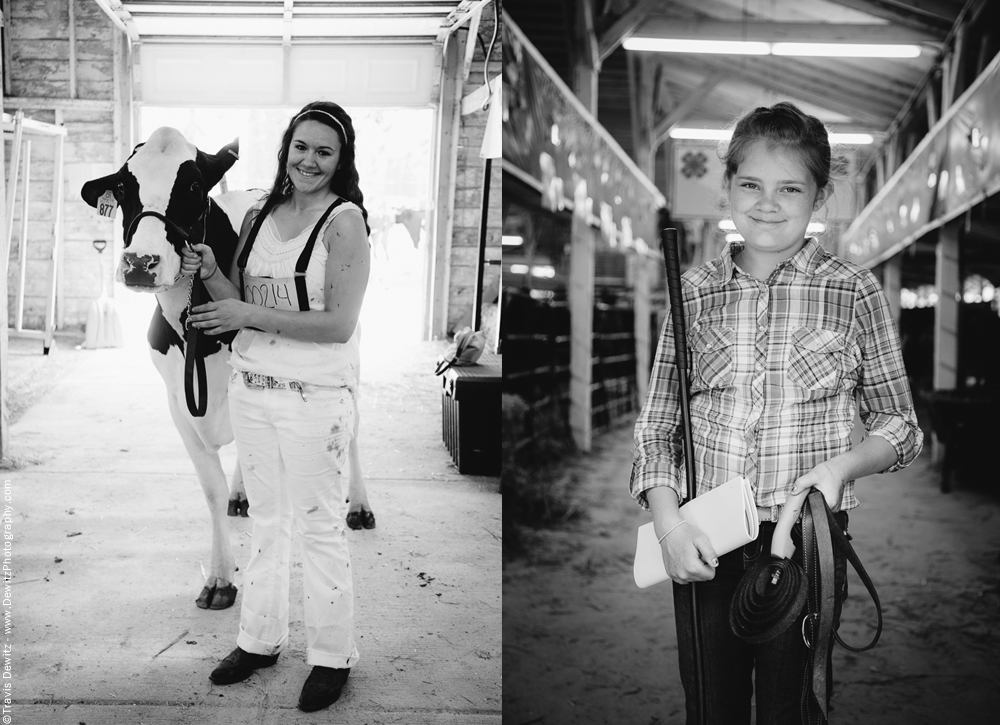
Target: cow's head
163,193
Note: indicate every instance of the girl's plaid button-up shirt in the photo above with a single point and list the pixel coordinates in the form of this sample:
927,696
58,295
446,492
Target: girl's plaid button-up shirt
774,369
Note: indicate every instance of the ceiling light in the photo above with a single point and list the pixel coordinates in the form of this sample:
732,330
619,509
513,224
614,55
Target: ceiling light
727,225
846,50
753,47
716,134
675,45
511,241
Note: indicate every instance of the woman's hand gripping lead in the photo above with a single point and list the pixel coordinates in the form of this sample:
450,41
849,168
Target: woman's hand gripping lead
212,318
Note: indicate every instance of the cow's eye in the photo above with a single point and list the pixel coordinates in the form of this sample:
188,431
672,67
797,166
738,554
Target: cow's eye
196,187
120,190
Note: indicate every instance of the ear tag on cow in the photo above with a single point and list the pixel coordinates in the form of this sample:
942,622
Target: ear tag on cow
107,204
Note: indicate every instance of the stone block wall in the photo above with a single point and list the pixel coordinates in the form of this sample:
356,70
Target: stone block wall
37,68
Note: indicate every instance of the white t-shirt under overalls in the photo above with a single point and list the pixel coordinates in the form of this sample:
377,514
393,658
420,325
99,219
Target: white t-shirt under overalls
329,364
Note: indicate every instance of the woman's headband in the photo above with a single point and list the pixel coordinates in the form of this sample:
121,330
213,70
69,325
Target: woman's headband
325,113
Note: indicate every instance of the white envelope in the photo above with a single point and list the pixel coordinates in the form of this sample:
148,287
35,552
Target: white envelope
727,515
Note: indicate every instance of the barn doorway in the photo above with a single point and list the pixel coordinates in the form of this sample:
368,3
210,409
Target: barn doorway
394,165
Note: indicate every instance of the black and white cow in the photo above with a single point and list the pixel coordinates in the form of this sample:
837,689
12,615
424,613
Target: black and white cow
162,191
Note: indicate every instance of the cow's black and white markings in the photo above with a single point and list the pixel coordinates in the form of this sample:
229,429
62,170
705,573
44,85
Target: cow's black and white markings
162,191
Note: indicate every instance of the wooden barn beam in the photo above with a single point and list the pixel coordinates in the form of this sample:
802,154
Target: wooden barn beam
928,16
120,16
768,32
65,104
624,27
683,110
778,75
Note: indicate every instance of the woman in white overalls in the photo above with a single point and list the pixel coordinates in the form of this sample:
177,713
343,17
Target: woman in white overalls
295,294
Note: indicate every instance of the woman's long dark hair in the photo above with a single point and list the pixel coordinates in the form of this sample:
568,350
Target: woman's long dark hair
345,178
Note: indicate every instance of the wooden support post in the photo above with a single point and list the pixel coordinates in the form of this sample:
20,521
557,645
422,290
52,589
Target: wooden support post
949,286
56,275
15,155
641,101
892,284
4,258
581,314
445,169
72,47
643,272
931,100
22,245
587,65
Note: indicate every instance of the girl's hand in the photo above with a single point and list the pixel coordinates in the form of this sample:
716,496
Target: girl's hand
214,318
826,478
199,256
688,555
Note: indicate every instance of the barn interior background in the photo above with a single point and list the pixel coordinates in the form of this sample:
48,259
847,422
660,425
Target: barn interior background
86,80
612,133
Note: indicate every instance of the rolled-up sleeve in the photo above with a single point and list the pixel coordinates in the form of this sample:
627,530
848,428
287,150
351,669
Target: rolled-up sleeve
886,405
658,448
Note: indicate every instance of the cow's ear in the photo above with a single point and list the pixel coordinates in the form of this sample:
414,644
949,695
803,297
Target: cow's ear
93,189
213,168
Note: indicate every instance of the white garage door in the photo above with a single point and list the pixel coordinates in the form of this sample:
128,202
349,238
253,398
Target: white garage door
372,53
242,75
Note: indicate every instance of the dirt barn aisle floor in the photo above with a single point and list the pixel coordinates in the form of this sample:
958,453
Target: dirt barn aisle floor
111,532
584,645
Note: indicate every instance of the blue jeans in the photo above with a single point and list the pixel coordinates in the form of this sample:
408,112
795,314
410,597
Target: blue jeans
732,668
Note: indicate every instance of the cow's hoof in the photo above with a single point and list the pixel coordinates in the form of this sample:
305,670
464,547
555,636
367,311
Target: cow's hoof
217,597
239,506
361,519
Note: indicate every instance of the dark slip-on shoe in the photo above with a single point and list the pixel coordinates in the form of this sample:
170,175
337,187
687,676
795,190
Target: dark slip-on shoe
239,665
322,688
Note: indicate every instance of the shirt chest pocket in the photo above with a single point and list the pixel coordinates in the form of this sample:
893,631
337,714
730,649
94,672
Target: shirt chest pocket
713,355
815,359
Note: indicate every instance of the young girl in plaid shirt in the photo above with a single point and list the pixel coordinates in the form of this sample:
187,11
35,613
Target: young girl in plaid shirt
783,335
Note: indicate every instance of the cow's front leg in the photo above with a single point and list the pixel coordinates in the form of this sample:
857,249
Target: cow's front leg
219,591
359,513
238,504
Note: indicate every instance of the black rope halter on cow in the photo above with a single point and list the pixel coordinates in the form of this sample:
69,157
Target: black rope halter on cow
772,594
194,364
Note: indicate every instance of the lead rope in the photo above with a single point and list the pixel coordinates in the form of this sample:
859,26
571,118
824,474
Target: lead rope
194,364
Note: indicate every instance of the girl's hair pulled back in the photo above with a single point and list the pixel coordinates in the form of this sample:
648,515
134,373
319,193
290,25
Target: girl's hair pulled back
782,125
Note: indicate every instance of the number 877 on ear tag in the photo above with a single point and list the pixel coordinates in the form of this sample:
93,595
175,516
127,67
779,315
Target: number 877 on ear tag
107,204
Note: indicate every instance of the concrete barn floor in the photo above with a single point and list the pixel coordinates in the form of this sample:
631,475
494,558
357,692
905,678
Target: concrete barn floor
583,645
111,534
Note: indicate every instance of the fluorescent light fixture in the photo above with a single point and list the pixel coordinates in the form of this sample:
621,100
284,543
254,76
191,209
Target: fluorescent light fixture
701,134
846,50
519,269
727,225
675,45
753,47
511,241
852,139
716,134
544,271
734,237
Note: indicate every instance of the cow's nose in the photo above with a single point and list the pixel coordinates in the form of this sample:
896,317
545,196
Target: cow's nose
139,270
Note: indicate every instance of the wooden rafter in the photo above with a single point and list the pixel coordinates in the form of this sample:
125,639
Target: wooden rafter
793,78
683,110
625,26
926,15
